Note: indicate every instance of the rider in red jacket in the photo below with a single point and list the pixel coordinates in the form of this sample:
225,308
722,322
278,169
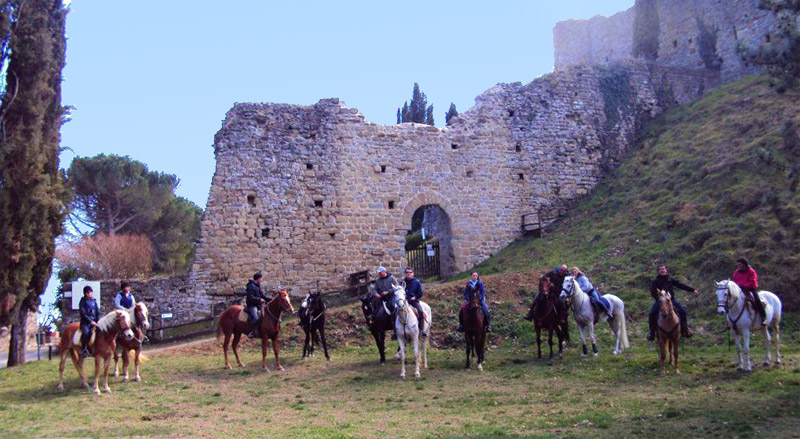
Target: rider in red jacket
747,279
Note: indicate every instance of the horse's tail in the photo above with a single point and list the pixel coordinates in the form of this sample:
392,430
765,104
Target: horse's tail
622,327
219,327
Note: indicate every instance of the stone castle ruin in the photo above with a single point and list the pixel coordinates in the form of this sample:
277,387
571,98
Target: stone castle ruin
307,193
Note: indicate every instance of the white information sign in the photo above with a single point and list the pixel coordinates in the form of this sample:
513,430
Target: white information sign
429,248
77,292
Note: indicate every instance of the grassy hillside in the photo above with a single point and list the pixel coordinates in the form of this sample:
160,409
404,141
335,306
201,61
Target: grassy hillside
708,182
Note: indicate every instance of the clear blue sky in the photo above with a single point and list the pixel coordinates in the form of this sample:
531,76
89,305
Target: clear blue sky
154,79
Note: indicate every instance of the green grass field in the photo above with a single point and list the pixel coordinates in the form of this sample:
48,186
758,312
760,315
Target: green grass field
186,393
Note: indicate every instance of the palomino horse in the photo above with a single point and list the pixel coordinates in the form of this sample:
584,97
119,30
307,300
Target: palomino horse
141,323
313,323
474,329
730,301
669,331
585,316
408,328
233,321
547,314
379,320
105,335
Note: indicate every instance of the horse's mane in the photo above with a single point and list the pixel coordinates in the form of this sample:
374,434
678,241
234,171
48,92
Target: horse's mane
109,320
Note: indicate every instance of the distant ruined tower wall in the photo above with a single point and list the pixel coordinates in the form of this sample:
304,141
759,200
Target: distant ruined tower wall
684,25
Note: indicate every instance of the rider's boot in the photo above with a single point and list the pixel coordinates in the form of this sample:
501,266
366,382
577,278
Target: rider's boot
253,330
529,317
652,334
486,323
759,307
423,332
686,331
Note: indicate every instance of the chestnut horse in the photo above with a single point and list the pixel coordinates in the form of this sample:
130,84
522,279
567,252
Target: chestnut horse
669,331
105,336
141,323
548,314
313,323
474,330
269,325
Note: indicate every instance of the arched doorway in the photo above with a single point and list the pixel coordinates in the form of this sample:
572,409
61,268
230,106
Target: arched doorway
429,242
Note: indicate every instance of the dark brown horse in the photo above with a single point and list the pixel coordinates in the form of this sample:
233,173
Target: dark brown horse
546,315
140,325
669,331
233,321
474,330
105,335
371,305
313,323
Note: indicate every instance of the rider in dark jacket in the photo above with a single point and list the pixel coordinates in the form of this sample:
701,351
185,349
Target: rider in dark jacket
475,286
90,314
254,299
556,276
414,293
666,283
384,288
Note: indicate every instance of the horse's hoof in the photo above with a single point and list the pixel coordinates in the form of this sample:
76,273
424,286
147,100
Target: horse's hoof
677,372
242,365
60,387
116,374
403,376
595,354
229,367
138,379
778,361
416,375
280,368
480,367
740,369
765,364
85,386
397,356
328,358
124,379
617,352
106,389
96,391
264,368
382,363
662,374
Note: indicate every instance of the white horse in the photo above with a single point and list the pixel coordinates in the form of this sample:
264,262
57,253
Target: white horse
742,320
585,316
408,329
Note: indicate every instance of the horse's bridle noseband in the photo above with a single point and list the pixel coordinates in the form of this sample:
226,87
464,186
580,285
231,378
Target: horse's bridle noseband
724,304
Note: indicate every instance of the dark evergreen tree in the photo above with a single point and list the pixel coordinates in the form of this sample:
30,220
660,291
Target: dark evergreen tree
418,110
32,191
781,55
451,113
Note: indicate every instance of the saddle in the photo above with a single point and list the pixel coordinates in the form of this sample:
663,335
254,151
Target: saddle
244,316
76,338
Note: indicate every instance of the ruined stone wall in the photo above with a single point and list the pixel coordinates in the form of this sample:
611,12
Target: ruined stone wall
602,41
317,192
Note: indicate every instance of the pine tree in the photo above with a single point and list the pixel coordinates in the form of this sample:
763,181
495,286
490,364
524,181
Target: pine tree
32,191
451,113
429,116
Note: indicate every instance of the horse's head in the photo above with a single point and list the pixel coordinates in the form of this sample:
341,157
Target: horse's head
664,302
474,299
123,321
399,295
568,288
141,314
366,305
544,285
284,302
725,291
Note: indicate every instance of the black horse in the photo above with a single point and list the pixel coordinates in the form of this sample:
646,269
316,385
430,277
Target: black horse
313,322
378,322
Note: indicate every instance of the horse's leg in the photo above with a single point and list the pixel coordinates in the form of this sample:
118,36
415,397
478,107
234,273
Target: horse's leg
96,371
379,344
748,364
116,366
324,343
468,340
225,344
617,340
538,341
738,350
402,345
550,342
79,362
591,336
137,351
106,364
126,362
481,339
776,332
305,344
675,342
264,353
275,348
416,355
236,337
61,367
765,334
560,336
662,353
583,340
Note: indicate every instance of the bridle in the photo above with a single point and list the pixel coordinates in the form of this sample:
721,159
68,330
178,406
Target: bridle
725,305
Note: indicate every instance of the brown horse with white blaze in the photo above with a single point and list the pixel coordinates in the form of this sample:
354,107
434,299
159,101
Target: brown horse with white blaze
669,333
105,335
141,323
233,322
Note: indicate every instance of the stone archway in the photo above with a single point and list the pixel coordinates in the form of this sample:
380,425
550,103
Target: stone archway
433,209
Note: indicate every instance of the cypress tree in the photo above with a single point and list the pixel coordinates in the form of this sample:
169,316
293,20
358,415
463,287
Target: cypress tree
451,113
32,191
418,110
